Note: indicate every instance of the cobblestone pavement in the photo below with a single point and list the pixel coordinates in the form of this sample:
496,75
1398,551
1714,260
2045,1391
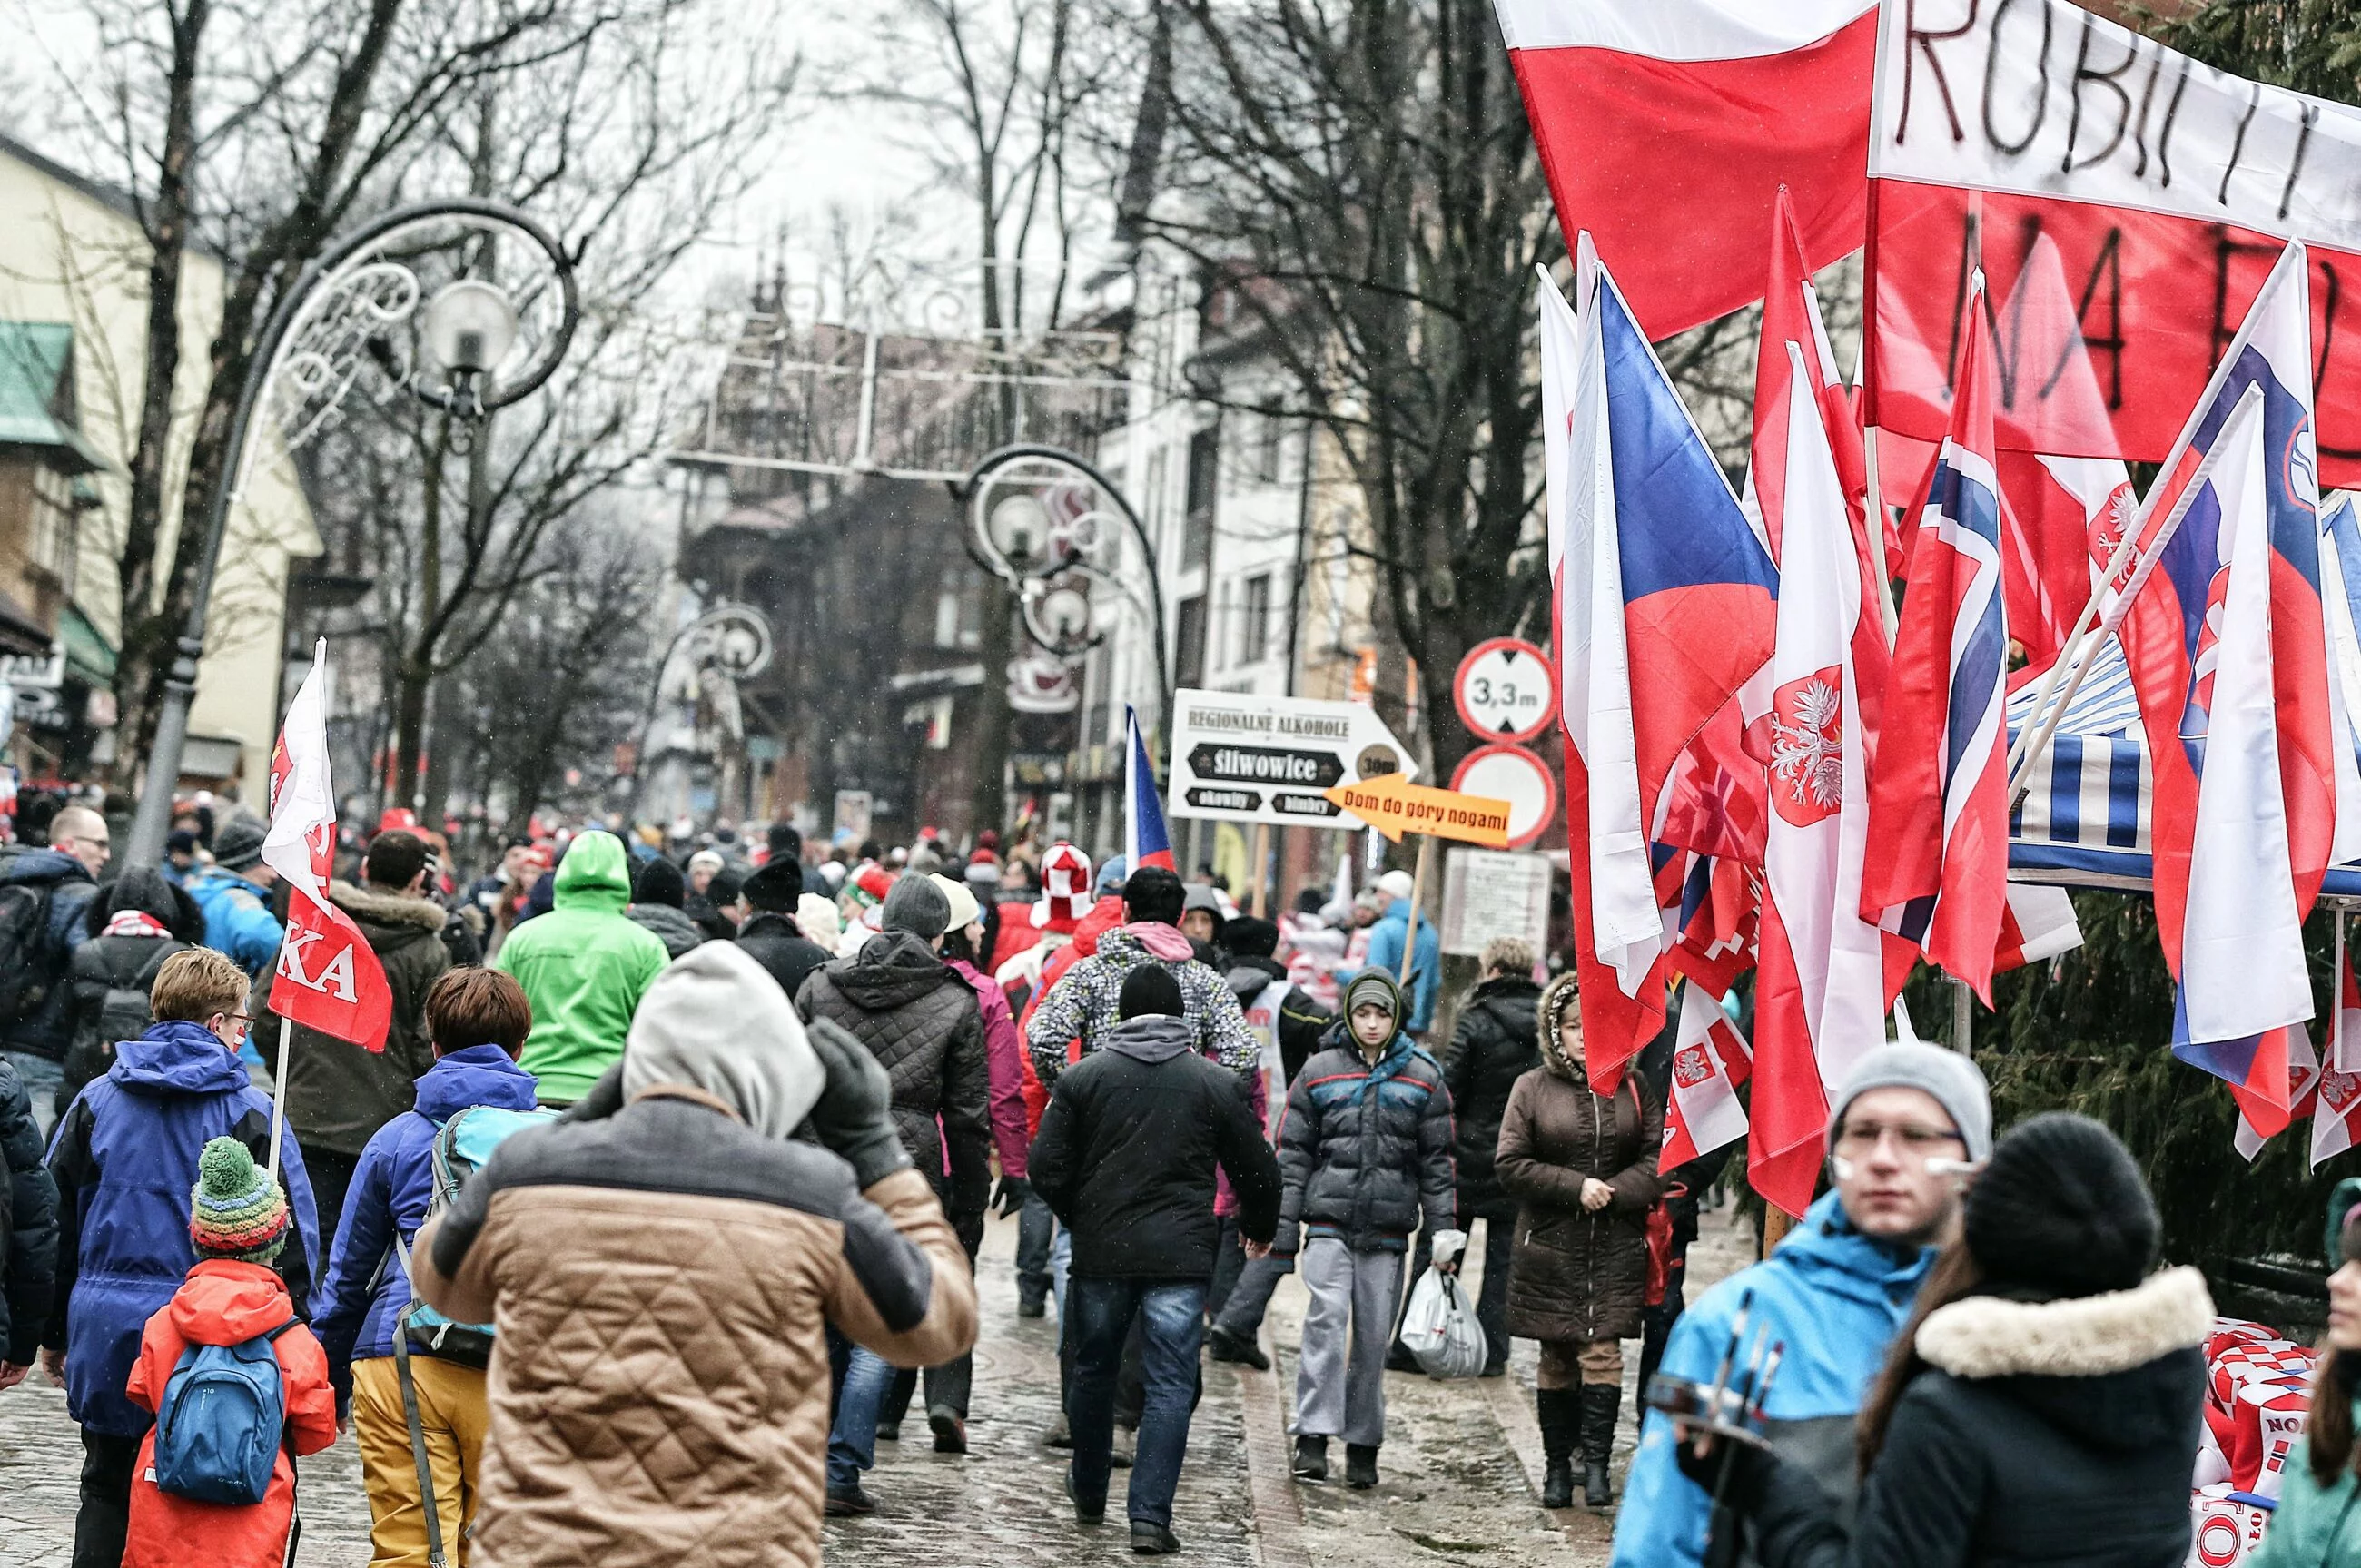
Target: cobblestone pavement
1460,1472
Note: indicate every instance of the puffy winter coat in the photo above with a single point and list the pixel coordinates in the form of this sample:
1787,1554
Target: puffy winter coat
1128,1150
1835,1298
2314,1526
338,1093
1004,1051
662,1280
1365,1149
1493,1045
2045,1432
584,968
1083,1005
125,1159
43,1030
674,930
390,1191
225,1302
918,1018
238,919
28,1227
1576,1274
779,945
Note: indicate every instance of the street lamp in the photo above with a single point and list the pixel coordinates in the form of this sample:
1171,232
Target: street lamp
339,313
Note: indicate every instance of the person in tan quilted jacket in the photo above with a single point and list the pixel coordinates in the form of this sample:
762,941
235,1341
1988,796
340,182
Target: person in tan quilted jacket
662,1276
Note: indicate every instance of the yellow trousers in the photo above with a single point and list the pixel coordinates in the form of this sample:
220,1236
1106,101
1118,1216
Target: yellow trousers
452,1415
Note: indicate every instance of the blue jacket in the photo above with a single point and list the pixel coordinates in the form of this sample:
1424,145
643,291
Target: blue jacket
1386,940
124,1157
47,1030
391,1188
1836,1298
238,919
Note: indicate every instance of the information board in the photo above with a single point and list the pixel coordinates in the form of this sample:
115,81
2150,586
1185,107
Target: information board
1494,892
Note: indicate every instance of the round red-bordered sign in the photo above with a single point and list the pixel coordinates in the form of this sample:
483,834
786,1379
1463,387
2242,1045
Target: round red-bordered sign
1516,775
1506,690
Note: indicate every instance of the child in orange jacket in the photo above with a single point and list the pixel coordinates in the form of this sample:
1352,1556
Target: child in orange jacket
238,1222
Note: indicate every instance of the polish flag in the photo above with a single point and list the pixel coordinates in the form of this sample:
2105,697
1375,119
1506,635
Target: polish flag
2345,1034
1821,992
2337,1115
1667,127
328,977
1710,1061
2303,1099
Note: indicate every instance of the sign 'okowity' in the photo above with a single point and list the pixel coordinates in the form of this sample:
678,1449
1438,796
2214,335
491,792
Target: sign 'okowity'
1242,758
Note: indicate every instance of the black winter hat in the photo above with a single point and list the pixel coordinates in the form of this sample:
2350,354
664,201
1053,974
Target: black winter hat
238,845
1250,936
1150,988
659,882
776,886
2061,1210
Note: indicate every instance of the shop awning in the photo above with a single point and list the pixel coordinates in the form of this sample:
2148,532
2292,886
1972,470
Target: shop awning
88,656
37,395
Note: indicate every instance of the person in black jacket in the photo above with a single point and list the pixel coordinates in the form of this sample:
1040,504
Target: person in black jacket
1125,1160
767,928
28,1233
2042,1406
131,934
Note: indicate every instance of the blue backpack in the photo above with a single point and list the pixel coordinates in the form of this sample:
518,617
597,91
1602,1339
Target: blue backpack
223,1417
461,1147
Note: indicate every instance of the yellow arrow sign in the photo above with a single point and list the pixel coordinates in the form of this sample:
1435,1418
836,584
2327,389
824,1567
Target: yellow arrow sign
1394,806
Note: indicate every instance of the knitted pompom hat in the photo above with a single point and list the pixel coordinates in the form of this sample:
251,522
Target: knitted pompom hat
236,1209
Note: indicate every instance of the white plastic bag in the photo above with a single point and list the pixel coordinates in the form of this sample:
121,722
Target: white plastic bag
1441,1328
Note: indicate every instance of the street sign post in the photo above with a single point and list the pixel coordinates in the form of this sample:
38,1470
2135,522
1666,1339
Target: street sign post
1506,689
1516,775
1275,761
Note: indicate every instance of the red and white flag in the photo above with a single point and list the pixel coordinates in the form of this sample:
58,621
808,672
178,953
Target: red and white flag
1711,1059
1667,127
2345,1032
2303,1096
329,978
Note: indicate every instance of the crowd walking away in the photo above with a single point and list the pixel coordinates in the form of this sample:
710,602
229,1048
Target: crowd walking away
649,1228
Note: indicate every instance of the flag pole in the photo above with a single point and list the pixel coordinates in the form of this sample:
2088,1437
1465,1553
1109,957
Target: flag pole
1409,942
279,1102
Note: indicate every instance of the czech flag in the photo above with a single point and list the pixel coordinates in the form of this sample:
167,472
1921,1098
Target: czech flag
1939,807
1666,128
1145,841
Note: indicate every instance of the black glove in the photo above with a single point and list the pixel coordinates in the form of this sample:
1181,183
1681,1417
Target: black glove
1014,1190
1752,1471
854,1115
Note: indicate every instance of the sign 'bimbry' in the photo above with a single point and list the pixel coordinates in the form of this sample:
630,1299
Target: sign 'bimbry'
1242,758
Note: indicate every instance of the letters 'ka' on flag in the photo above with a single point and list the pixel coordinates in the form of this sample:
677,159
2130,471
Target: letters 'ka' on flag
2227,648
328,977
1145,841
1667,126
1664,605
1710,1061
1939,807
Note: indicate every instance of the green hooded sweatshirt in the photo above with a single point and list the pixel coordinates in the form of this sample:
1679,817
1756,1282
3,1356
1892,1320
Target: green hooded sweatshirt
583,967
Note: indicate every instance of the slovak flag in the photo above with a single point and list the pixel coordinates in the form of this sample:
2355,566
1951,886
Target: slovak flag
1145,841
328,977
1666,128
1710,1061
1664,605
1938,806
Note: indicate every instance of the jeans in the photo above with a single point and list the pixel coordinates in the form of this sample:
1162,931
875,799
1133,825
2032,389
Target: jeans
42,1079
1172,1321
852,1442
1493,1300
103,1520
1037,1233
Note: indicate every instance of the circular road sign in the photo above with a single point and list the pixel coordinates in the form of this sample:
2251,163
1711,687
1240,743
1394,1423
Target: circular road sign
1506,689
1516,775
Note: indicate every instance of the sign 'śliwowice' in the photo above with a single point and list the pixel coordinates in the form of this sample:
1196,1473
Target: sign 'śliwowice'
1237,757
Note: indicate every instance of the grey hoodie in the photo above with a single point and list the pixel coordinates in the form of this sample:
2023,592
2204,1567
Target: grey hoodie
1151,1037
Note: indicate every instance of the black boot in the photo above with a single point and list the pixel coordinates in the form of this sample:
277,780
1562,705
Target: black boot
1560,1413
1601,1403
1360,1465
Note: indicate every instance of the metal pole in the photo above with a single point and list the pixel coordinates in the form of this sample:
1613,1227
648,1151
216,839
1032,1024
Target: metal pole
1962,1017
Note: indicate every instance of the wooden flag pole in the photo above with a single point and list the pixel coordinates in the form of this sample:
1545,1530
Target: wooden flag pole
1417,892
1261,866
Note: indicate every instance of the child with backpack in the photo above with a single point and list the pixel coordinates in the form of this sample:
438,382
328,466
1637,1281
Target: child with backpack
412,1382
238,1385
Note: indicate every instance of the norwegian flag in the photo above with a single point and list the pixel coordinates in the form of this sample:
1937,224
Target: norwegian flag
1939,807
328,977
1145,841
1710,1061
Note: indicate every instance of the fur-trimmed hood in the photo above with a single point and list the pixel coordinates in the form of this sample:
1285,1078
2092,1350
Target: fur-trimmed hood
1556,999
391,910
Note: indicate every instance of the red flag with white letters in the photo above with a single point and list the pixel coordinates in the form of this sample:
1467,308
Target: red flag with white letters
328,978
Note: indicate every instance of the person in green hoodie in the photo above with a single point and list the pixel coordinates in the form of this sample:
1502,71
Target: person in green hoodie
583,967
2318,1521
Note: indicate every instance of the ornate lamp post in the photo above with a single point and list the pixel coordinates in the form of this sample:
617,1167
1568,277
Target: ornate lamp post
341,311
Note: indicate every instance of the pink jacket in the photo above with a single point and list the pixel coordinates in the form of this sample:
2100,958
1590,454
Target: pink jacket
1004,1057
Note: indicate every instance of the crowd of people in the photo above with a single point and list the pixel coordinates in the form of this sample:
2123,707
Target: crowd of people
658,1208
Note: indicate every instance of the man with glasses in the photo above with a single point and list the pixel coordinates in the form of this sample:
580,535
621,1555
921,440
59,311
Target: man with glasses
125,1159
1906,1127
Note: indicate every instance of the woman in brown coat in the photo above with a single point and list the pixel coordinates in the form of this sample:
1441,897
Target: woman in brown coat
1582,1167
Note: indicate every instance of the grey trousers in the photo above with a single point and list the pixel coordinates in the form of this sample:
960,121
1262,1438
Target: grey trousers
1340,1375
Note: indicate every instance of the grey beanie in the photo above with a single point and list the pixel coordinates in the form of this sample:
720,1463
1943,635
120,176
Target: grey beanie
238,846
916,906
1954,1081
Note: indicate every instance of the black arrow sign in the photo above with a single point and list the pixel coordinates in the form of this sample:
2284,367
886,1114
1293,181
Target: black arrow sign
1266,764
1304,806
1227,799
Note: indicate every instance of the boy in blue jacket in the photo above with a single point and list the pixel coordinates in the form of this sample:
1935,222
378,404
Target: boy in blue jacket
124,1157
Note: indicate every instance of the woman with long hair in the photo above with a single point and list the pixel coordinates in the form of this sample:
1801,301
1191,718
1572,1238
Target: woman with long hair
2318,1521
2042,1405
